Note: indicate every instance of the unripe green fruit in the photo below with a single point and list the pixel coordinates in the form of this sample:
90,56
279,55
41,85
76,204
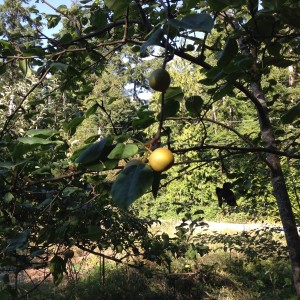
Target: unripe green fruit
160,80
161,159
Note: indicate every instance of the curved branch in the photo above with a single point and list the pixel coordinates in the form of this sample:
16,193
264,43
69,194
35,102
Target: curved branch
107,257
240,149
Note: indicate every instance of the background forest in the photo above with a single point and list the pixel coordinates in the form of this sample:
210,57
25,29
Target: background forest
77,108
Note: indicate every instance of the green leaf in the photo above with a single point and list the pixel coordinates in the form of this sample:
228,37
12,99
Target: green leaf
290,15
277,61
154,40
270,4
221,5
85,90
172,97
18,242
173,94
196,22
291,115
131,183
37,253
9,165
92,139
36,140
229,52
91,110
94,233
225,89
143,123
122,151
53,20
34,51
8,197
24,66
170,109
213,75
57,267
93,153
43,204
118,7
42,132
59,66
66,38
2,69
73,123
63,8
99,19
155,184
194,105
239,63
217,5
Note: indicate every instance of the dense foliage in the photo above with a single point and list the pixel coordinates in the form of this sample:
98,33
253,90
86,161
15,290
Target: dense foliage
74,113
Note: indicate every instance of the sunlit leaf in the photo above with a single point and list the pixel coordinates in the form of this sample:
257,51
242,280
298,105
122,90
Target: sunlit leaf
91,110
122,151
42,132
36,140
196,22
117,6
154,40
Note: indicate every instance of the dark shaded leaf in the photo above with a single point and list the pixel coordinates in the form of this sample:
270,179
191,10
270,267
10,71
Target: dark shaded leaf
170,109
229,52
18,242
291,115
194,105
117,6
155,184
93,153
131,184
218,5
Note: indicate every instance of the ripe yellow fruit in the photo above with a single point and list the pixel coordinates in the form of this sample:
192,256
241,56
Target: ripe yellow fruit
160,80
161,159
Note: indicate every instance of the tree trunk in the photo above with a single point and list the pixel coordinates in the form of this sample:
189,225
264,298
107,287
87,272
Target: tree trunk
280,190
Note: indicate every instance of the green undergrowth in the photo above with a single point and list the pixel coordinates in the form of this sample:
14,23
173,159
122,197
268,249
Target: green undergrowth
218,275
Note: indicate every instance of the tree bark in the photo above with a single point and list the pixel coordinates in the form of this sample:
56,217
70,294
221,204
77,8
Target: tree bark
280,190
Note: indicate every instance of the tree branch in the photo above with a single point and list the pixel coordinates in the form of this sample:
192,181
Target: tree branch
240,149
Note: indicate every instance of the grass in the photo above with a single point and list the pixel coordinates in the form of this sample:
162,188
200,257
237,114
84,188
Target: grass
217,275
